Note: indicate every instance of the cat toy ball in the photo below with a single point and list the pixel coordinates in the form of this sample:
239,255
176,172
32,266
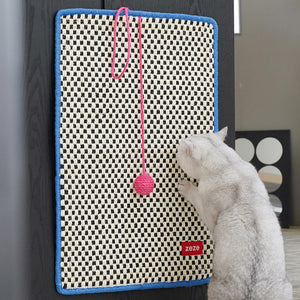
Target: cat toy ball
143,184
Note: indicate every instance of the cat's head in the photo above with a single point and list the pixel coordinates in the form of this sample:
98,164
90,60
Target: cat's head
201,153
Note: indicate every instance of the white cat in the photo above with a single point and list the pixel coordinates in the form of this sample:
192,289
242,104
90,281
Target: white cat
232,201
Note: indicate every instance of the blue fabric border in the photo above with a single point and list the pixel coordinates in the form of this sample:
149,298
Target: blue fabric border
76,11
144,286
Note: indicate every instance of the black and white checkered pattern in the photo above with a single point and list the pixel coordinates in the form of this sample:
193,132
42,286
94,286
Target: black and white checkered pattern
110,235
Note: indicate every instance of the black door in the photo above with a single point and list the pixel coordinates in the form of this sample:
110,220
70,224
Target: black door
39,103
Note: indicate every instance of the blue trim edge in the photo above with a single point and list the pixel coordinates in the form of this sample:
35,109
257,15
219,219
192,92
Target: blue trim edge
144,286
59,14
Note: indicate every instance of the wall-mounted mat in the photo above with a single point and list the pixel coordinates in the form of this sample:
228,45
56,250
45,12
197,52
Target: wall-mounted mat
109,237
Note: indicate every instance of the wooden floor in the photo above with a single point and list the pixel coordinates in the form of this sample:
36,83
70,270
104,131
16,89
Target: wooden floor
291,238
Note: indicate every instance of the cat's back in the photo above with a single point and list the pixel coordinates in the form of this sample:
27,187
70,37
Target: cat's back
249,253
249,258
248,233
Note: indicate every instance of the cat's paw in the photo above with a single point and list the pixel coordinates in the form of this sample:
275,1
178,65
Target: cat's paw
184,187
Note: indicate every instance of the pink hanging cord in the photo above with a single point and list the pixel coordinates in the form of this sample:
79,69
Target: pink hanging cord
115,43
144,183
142,93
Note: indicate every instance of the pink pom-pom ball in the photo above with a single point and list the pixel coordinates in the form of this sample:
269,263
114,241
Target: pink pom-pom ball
144,184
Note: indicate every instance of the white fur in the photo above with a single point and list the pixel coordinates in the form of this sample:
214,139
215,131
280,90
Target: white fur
232,201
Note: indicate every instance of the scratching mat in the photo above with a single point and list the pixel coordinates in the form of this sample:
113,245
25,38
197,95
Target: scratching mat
110,238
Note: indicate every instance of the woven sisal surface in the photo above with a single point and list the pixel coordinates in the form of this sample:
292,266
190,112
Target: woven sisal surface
107,234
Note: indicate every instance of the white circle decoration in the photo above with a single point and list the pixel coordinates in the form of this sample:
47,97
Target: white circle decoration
276,203
271,177
245,149
269,150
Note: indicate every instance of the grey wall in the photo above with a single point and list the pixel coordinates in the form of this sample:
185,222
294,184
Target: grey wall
267,78
13,241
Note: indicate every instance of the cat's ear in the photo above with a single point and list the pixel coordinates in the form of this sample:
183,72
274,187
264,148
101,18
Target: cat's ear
190,147
222,133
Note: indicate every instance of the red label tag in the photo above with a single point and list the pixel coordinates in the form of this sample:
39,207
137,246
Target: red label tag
192,248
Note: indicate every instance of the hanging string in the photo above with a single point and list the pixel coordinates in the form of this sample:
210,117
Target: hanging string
142,93
144,183
115,43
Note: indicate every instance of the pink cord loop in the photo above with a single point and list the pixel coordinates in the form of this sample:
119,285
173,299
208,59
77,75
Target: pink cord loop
115,43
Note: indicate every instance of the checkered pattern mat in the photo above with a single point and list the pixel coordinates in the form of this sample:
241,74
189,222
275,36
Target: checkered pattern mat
108,235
